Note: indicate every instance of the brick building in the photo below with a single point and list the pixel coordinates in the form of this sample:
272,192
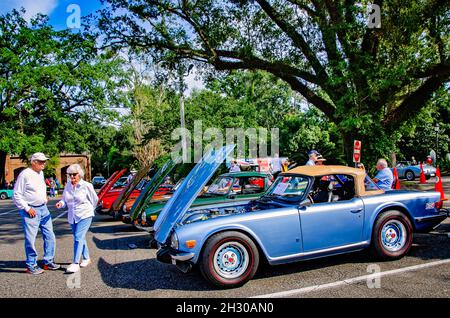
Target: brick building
14,165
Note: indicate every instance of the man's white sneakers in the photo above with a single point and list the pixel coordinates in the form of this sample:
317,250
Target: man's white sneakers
73,268
85,262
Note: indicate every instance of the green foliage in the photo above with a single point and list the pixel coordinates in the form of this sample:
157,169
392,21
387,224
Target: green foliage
54,87
366,81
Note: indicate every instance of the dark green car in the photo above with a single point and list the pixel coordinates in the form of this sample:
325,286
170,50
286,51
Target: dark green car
228,187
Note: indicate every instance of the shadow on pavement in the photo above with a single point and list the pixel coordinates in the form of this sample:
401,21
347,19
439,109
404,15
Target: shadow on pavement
20,267
12,267
114,228
140,241
149,275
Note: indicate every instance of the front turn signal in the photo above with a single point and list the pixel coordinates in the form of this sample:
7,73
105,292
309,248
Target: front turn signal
191,243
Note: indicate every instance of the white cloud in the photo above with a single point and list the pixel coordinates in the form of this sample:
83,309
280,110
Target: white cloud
32,7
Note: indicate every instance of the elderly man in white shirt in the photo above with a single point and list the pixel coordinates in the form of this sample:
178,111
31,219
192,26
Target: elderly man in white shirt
80,199
30,197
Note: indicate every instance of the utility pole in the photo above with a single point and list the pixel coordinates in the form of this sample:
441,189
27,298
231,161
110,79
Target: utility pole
182,87
436,128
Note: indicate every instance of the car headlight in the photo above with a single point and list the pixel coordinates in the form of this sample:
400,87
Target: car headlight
174,241
144,217
124,209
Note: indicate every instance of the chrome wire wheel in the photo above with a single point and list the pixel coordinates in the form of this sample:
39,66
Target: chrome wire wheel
231,260
393,235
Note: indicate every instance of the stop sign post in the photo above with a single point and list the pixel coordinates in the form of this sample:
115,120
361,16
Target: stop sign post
356,151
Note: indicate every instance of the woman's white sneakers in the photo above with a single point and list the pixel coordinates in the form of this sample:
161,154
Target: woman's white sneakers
73,268
85,262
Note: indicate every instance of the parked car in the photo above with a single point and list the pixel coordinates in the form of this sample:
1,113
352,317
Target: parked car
98,182
108,187
6,194
228,187
303,215
155,190
409,172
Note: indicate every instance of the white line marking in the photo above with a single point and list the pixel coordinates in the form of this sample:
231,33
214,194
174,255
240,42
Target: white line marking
7,212
61,215
351,280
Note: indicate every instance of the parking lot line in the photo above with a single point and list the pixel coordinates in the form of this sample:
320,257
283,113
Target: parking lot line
349,281
61,215
7,212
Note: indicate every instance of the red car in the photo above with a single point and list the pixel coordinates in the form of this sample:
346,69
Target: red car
107,189
111,196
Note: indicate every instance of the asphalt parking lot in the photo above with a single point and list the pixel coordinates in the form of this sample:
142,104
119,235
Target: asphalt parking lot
125,266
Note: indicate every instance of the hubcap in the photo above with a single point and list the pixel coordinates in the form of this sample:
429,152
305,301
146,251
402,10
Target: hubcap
393,236
231,260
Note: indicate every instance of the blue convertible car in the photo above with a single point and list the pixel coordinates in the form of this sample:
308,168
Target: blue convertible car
308,212
408,171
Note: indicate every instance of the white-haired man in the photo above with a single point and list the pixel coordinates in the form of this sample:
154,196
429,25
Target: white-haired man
30,197
384,177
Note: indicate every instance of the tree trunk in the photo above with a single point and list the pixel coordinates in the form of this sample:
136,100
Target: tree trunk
3,155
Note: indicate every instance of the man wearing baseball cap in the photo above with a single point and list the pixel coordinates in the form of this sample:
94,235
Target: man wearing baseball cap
312,154
30,197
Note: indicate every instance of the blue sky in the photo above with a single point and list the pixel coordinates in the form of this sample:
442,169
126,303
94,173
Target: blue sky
55,9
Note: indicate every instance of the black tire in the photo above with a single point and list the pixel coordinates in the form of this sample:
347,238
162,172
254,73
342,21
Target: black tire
409,175
230,246
3,196
397,231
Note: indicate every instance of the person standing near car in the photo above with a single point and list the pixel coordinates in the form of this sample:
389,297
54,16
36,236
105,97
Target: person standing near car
30,197
384,177
235,166
80,199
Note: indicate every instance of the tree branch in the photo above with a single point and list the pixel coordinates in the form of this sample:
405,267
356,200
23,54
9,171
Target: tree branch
253,62
412,104
297,39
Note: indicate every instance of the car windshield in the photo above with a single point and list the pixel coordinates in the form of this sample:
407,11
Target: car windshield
288,188
370,185
220,186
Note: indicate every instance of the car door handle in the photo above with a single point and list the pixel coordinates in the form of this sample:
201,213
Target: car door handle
357,210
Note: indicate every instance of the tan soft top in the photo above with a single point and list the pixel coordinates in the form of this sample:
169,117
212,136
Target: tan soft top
315,171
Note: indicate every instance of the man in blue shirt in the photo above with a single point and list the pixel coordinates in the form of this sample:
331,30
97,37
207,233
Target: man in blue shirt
384,177
312,154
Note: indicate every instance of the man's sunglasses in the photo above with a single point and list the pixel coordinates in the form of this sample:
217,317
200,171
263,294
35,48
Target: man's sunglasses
72,174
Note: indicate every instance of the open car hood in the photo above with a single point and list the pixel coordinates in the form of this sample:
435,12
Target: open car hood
183,197
109,184
126,192
153,185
